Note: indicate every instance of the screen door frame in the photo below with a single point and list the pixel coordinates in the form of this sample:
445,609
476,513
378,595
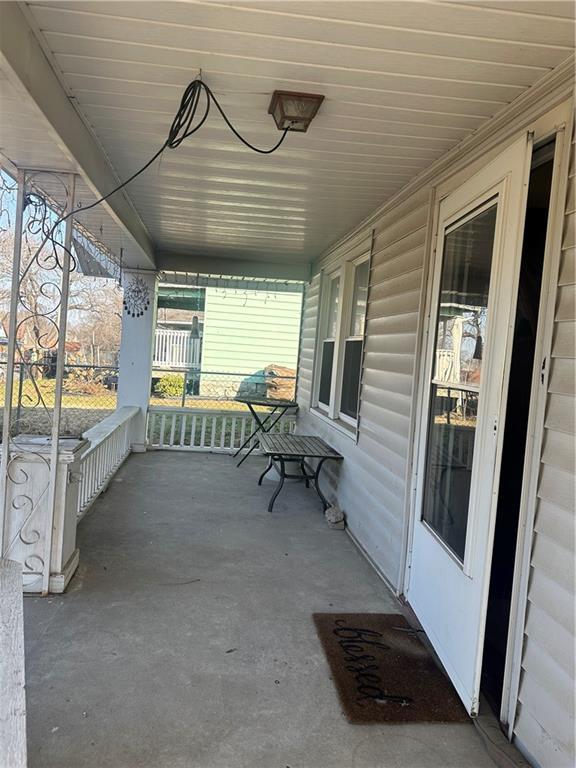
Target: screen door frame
438,583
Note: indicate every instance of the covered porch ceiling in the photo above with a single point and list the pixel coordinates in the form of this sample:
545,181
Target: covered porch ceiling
404,83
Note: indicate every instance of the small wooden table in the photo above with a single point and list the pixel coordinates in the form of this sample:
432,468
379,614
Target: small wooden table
283,448
266,424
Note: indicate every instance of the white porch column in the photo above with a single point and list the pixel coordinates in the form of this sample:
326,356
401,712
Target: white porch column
136,347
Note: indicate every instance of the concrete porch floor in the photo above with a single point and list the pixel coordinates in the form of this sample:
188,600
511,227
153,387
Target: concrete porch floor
185,640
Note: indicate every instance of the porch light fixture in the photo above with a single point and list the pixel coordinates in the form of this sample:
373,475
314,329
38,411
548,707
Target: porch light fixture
294,111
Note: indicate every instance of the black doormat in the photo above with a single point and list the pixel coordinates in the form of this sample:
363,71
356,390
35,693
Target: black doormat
383,673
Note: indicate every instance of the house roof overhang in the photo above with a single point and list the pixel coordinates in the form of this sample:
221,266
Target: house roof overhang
33,100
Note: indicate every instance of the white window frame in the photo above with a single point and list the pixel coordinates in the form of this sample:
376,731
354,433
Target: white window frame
346,274
325,296
365,258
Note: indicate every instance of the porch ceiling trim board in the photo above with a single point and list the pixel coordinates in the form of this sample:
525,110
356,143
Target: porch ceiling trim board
30,73
551,90
206,264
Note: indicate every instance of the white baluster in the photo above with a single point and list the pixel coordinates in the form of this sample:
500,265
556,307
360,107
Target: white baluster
173,428
213,434
203,433
193,432
183,429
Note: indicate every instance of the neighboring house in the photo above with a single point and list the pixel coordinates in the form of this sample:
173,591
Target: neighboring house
247,331
179,328
459,474
230,339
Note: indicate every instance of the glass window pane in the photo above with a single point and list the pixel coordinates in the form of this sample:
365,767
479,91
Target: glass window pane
351,378
326,372
451,432
333,308
463,306
359,299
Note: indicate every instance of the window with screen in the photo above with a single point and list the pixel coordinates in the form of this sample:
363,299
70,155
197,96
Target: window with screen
352,365
339,357
328,343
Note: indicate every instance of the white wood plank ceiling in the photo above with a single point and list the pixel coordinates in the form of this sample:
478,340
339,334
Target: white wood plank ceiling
404,82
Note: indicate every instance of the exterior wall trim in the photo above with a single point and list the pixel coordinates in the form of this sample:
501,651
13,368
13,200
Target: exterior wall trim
536,425
414,436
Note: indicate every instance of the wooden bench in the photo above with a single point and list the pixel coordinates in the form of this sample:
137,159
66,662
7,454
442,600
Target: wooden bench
297,448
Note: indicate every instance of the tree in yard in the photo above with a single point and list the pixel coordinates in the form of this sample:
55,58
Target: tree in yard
94,304
98,327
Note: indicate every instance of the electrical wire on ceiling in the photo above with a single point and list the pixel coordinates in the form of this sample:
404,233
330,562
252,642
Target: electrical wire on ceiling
184,124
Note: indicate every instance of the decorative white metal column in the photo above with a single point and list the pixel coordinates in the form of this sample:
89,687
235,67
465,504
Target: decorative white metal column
30,472
137,346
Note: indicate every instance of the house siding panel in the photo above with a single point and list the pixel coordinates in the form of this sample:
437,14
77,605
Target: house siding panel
308,341
246,330
560,416
545,719
373,476
374,479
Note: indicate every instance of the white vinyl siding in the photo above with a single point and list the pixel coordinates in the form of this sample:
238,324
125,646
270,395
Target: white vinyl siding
308,341
545,719
373,477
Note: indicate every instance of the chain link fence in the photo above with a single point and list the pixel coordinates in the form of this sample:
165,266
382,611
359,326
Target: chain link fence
219,390
89,395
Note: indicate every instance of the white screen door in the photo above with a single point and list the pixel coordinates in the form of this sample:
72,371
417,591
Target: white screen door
472,308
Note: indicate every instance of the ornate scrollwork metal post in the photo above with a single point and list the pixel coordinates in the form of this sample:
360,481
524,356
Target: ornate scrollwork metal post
60,358
11,354
41,267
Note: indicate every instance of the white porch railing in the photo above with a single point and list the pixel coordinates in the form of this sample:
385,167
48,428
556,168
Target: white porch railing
176,349
183,429
110,442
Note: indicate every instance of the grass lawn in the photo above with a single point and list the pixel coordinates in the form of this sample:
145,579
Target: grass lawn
100,398
81,411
